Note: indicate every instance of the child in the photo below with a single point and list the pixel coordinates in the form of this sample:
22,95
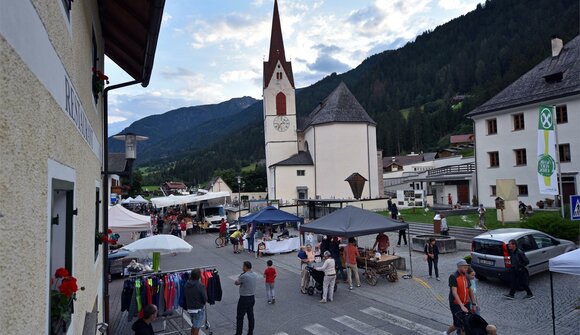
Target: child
269,276
471,277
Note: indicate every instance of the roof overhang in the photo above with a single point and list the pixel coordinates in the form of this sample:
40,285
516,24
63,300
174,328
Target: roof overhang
130,31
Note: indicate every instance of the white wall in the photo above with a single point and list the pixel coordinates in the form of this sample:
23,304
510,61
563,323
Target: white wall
287,180
506,140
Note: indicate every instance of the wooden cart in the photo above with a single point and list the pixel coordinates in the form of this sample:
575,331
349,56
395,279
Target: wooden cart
375,268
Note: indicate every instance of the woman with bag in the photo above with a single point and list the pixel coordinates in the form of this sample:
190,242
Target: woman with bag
432,257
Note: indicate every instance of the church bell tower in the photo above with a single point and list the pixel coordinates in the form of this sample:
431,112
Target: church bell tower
279,105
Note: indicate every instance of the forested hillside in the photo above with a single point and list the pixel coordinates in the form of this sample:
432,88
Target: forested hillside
410,91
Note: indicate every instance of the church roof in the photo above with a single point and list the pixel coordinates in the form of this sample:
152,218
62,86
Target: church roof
339,106
276,51
553,78
301,158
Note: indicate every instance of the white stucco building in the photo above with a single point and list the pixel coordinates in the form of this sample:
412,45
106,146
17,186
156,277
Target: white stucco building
52,129
311,158
506,127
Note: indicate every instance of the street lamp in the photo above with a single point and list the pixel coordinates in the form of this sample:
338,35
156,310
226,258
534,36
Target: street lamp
131,140
357,184
239,178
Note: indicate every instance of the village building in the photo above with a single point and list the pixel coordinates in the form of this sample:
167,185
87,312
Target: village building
174,187
310,158
506,127
52,135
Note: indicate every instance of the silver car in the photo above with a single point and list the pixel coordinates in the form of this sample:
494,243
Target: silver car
490,256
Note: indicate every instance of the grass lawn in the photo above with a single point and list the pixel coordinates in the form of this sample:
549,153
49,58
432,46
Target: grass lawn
150,188
471,220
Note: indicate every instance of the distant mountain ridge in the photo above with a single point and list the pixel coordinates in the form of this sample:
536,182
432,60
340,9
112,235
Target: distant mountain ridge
410,91
184,130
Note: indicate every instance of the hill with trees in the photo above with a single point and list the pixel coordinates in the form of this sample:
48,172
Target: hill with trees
418,94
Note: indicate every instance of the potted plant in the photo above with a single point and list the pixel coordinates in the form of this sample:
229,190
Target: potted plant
99,80
62,295
467,259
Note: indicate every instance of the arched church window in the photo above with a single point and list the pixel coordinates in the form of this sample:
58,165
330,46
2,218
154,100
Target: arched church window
280,104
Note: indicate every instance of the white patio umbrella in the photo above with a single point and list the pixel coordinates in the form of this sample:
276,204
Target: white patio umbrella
162,243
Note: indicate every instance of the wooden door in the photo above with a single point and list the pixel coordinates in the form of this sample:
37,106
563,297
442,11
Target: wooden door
463,194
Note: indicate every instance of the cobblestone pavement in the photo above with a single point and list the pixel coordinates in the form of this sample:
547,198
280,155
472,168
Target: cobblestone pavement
409,306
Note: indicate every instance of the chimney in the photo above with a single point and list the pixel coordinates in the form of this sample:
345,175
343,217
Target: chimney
557,46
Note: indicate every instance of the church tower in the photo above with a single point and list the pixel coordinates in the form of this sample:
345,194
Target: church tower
279,105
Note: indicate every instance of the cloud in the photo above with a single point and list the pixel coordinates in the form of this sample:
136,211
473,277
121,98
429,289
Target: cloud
166,17
328,64
459,5
327,49
239,75
115,119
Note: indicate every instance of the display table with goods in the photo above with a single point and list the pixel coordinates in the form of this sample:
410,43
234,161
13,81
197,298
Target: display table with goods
377,265
276,246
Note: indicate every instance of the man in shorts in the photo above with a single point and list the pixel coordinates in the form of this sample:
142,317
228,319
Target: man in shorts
196,298
235,239
460,294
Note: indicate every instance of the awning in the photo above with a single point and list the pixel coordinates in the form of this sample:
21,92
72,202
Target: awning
130,30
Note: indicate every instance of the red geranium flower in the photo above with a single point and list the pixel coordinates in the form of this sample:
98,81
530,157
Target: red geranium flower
68,286
111,241
61,273
104,238
109,231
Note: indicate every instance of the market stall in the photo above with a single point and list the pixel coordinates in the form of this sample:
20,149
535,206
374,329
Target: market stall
268,216
122,220
352,222
568,263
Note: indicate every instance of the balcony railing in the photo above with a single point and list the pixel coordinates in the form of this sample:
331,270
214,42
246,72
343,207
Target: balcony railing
452,170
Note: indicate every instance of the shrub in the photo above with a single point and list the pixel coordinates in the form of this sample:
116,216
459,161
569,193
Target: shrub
554,225
467,259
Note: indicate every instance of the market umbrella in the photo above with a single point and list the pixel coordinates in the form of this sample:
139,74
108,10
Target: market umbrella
157,245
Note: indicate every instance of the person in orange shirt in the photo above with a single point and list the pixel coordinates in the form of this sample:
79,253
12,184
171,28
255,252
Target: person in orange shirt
351,255
383,243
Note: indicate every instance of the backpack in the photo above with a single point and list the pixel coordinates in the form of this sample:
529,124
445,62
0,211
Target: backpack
523,258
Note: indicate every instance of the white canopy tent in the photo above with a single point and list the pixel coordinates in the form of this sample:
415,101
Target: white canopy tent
124,220
139,200
568,263
127,201
174,200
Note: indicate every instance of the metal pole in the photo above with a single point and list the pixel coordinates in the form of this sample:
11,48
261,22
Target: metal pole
408,232
106,197
560,191
552,295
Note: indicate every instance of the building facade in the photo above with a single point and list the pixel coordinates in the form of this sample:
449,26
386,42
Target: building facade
311,157
506,127
51,146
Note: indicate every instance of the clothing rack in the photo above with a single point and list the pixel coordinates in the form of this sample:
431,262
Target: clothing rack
181,315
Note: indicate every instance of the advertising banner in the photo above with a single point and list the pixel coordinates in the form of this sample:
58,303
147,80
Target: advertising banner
547,173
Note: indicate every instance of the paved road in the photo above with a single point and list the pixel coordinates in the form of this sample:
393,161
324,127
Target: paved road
410,306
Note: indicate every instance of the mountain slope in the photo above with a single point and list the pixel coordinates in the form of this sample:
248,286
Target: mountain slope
475,55
183,130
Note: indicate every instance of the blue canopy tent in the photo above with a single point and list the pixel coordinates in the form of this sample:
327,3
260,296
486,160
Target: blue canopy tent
270,215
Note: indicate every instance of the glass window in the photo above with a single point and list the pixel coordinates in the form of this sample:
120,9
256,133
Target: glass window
488,247
523,190
493,159
492,189
97,207
518,120
521,158
491,126
280,104
543,241
561,114
526,243
300,172
564,152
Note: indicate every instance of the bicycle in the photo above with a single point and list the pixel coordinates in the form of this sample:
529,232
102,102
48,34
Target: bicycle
222,241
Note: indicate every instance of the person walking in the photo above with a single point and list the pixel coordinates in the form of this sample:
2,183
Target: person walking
329,277
444,226
247,283
432,255
143,325
471,277
222,232
459,295
195,299
518,271
269,277
481,211
183,229
394,211
351,267
160,223
403,235
335,253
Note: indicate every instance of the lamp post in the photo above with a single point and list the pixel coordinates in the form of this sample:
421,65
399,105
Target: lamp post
131,140
357,184
239,178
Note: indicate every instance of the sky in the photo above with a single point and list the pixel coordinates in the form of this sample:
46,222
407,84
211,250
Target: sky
212,51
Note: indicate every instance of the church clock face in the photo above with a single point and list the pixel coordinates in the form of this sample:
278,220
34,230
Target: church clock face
281,123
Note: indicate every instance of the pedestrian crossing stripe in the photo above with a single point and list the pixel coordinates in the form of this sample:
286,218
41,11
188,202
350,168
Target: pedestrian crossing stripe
399,321
367,329
318,329
359,326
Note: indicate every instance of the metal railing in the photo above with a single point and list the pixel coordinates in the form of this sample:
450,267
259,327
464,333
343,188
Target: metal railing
452,169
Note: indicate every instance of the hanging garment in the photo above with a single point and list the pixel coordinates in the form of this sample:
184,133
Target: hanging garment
214,289
138,298
128,287
132,304
161,307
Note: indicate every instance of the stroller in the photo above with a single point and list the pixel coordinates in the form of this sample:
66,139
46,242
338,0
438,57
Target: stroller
473,324
316,281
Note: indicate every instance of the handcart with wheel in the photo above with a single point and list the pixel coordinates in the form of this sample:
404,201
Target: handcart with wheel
375,268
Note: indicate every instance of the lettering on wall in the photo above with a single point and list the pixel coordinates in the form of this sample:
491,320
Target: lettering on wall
76,112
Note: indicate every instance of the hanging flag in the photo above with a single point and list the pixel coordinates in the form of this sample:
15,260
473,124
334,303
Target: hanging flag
547,174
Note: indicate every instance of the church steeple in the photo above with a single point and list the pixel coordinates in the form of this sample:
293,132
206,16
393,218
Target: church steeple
276,51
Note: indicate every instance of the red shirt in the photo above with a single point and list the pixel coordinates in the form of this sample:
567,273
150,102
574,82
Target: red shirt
223,227
351,253
270,274
183,226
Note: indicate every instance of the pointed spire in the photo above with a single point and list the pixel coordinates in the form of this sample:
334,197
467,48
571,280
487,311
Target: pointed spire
276,41
276,51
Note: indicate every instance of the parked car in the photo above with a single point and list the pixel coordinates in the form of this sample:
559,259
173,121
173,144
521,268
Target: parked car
490,257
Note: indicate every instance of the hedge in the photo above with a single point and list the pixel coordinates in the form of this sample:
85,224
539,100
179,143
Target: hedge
555,226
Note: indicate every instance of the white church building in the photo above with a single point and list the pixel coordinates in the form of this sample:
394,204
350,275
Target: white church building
310,158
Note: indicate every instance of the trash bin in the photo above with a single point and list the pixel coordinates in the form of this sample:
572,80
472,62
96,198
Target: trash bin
437,224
